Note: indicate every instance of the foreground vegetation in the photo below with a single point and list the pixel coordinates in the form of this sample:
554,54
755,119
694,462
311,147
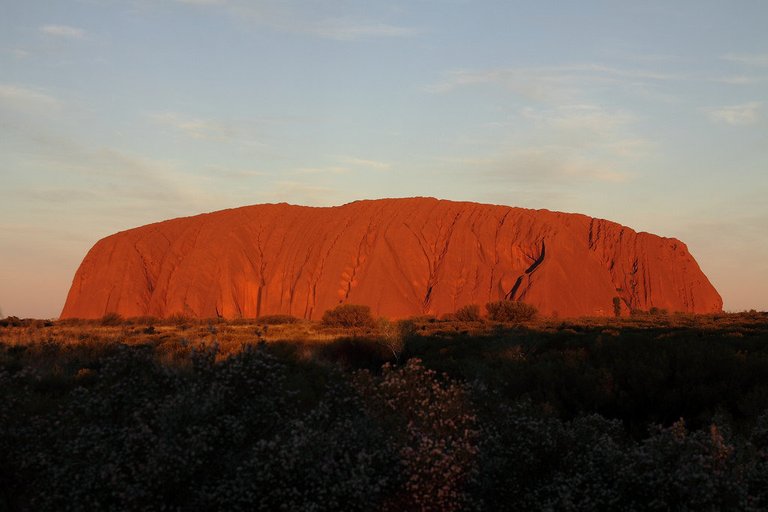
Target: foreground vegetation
653,412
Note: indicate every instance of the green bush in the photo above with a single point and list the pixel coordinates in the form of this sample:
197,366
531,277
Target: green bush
348,315
510,311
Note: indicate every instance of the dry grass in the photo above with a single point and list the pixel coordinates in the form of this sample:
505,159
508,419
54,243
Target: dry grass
232,335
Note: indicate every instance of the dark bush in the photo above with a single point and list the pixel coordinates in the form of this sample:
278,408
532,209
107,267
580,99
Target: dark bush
179,320
357,353
277,319
468,313
10,321
510,311
348,315
111,319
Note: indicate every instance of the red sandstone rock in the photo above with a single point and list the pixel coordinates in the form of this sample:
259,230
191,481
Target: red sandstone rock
402,257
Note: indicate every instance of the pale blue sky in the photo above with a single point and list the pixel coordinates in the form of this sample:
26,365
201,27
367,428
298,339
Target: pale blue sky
117,113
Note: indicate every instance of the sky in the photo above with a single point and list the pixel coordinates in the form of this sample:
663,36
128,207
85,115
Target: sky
118,113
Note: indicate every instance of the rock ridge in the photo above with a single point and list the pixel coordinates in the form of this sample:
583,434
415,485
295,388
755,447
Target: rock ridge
402,257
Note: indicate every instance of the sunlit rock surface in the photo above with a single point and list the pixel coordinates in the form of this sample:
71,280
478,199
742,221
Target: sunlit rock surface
402,257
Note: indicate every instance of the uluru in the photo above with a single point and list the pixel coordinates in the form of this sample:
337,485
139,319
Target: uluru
401,257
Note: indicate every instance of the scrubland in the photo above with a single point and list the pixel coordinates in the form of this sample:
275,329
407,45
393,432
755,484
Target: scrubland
651,412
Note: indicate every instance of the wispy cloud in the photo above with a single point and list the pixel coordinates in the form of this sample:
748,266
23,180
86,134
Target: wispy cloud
64,31
24,97
106,180
298,192
102,187
346,164
17,53
233,174
329,169
547,164
744,114
365,163
195,128
570,144
329,20
588,120
748,59
547,83
533,84
739,79
343,29
202,2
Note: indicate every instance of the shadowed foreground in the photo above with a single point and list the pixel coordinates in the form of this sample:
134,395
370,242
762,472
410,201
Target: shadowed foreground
642,414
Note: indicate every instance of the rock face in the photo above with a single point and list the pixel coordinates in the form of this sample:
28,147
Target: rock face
402,257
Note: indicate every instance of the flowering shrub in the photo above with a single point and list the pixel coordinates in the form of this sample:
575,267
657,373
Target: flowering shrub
432,423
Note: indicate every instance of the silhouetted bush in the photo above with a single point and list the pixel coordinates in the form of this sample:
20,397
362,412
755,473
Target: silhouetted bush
348,315
468,313
355,353
140,320
111,319
277,319
10,321
510,311
179,320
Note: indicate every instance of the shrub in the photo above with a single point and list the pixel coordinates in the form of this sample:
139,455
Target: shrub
348,315
111,319
356,352
468,313
277,319
180,320
391,337
510,311
11,321
434,428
